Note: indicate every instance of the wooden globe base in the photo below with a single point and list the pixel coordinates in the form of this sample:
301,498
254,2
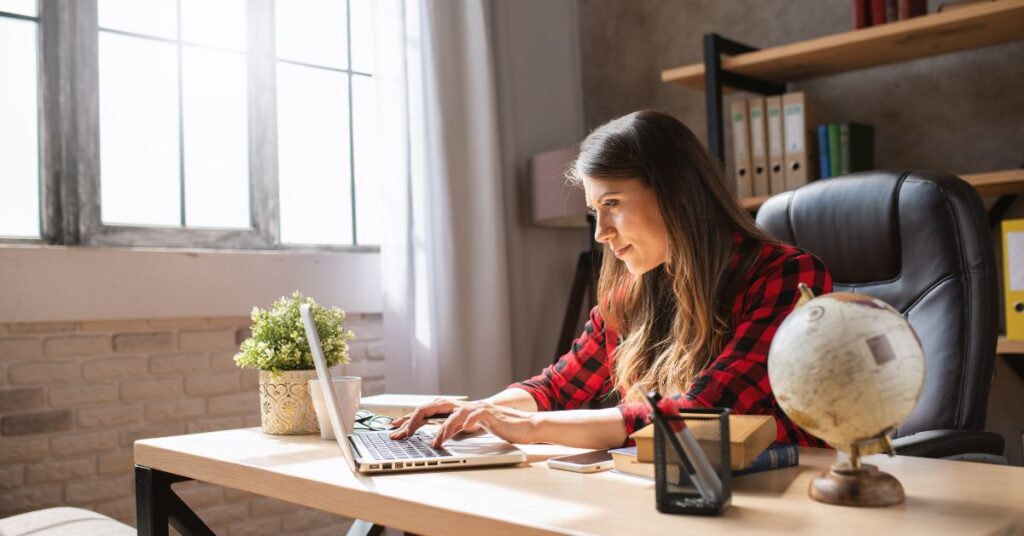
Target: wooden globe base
863,486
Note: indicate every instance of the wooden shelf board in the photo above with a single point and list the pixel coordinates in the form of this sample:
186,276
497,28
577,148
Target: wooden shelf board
989,23
1010,181
1009,346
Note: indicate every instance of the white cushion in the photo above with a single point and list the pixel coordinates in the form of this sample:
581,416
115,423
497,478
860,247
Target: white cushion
62,520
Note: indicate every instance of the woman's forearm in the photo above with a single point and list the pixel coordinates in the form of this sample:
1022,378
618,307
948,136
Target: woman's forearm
513,398
583,428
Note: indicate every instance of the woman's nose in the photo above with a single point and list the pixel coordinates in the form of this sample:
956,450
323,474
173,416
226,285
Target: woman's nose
602,231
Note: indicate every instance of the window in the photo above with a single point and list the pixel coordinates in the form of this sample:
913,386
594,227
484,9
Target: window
235,123
19,126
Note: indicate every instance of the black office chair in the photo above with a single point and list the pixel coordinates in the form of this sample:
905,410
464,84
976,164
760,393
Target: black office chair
919,241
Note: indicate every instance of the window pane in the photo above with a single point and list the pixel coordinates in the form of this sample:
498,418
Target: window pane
361,12
312,31
21,7
138,131
19,138
216,24
364,105
216,140
150,17
313,155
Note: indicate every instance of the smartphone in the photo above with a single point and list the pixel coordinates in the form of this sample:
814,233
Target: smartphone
587,462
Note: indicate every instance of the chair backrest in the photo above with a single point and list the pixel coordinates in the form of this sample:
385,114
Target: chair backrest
919,241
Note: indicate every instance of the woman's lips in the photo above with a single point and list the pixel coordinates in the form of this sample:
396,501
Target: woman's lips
619,252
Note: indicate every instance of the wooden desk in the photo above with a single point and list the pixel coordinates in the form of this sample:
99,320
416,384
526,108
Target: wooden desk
943,497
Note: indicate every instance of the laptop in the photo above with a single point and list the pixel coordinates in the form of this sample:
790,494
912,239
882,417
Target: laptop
375,452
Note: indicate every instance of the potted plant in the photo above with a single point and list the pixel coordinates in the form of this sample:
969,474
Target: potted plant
279,349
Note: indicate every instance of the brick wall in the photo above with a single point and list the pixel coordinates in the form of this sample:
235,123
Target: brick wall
74,396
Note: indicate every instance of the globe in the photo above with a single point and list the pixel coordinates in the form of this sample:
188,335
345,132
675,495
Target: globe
847,368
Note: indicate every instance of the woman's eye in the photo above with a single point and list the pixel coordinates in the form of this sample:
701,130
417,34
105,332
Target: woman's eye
611,203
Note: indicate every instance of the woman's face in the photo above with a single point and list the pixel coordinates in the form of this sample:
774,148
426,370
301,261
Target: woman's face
629,221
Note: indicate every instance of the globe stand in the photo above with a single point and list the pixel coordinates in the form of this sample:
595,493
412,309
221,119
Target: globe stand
856,484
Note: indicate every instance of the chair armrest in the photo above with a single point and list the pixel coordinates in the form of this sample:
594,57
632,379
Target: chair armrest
943,443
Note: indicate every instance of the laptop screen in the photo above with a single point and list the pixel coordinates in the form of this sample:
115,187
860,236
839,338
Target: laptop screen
326,386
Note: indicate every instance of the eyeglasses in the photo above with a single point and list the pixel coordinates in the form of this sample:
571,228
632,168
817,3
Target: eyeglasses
366,420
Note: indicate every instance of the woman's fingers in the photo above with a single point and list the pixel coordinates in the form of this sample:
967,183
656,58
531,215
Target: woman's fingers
452,425
408,424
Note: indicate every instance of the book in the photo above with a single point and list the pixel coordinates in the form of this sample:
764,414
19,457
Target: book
748,436
397,405
861,13
856,147
877,12
823,154
835,155
624,461
774,457
911,8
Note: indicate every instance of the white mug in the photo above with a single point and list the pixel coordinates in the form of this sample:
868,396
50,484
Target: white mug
346,390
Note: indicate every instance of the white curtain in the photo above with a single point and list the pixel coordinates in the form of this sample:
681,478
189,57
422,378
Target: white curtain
446,310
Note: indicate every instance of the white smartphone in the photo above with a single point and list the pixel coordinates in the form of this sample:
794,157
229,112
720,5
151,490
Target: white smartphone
587,462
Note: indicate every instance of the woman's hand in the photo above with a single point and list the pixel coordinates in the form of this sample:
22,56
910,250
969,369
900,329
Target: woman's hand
512,425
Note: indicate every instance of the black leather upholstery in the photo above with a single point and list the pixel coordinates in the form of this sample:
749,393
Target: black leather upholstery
920,241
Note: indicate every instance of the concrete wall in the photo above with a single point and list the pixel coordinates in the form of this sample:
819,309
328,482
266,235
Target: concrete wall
958,113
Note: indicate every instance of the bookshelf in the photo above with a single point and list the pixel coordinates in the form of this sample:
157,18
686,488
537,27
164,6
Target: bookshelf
729,65
990,23
1009,346
994,183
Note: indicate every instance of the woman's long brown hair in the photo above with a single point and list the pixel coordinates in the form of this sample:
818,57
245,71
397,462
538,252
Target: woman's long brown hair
675,318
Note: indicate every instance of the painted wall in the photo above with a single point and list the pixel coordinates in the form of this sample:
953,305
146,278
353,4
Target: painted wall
541,108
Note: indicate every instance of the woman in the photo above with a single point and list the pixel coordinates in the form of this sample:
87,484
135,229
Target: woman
692,293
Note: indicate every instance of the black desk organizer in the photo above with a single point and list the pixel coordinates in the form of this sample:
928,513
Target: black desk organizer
675,490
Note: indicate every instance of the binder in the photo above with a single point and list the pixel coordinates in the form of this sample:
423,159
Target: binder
776,162
856,147
741,150
824,154
835,152
801,115
1013,277
758,146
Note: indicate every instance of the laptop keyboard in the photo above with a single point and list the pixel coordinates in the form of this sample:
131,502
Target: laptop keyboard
381,447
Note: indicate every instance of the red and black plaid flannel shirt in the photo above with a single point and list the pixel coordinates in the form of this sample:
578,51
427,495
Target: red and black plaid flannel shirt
737,378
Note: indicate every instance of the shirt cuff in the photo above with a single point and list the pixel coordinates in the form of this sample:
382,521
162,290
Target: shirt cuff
635,415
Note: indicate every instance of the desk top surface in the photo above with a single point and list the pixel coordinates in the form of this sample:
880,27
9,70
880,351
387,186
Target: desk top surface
943,497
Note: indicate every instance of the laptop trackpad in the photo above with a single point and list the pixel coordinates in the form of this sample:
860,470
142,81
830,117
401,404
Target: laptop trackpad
479,444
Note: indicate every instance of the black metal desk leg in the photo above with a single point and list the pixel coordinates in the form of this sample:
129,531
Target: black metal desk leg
151,491
156,505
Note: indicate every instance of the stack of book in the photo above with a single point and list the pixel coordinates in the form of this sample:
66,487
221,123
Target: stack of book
845,148
874,12
751,443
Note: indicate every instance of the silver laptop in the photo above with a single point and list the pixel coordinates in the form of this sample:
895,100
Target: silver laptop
376,452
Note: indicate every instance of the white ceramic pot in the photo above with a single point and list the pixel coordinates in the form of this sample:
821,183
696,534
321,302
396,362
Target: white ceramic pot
285,405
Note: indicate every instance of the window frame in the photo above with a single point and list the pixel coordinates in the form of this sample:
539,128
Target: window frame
69,150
